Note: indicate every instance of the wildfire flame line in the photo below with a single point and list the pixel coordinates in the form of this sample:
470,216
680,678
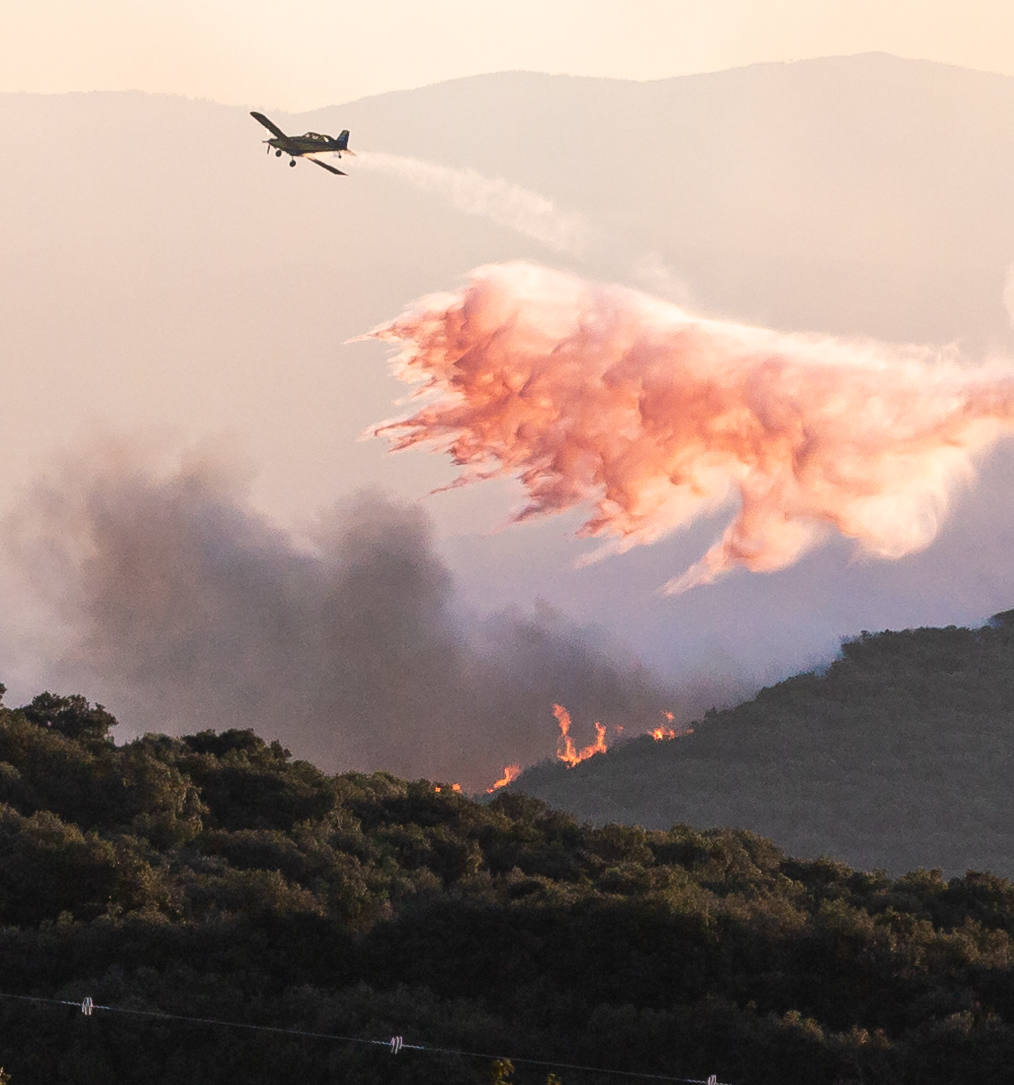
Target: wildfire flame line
570,755
510,772
566,750
599,394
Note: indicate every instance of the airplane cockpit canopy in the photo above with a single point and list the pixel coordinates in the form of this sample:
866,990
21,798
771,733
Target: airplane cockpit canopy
317,137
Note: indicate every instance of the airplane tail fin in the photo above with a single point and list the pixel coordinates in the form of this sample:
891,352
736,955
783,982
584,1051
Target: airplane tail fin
343,140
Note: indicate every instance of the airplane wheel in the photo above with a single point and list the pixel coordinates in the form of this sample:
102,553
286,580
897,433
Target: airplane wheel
278,154
293,162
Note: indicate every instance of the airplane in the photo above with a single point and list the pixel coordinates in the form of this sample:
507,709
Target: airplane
306,145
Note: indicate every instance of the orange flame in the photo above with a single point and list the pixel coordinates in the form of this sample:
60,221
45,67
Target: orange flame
595,394
565,748
454,787
510,772
664,733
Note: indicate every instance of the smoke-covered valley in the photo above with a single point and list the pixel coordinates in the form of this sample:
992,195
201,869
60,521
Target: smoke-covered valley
190,515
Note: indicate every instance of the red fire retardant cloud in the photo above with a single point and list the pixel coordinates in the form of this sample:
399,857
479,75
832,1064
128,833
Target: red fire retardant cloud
602,396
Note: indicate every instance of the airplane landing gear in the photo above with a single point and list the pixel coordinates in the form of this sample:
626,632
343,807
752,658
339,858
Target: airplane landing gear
278,154
292,161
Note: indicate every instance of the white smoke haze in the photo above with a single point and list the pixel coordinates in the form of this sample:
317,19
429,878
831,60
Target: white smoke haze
655,276
602,395
507,204
1008,293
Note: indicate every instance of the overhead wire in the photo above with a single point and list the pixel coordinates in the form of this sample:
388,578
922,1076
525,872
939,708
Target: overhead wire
395,1044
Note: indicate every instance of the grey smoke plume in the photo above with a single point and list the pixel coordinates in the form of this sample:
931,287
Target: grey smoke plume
187,609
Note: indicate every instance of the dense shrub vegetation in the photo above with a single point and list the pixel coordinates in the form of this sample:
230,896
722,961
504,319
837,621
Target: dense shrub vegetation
211,876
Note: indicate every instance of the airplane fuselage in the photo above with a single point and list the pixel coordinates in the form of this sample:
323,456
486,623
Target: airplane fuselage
311,143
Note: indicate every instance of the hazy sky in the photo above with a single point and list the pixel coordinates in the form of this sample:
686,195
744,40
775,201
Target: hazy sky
304,54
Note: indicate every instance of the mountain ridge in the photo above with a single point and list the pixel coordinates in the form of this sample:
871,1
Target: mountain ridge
895,756
895,60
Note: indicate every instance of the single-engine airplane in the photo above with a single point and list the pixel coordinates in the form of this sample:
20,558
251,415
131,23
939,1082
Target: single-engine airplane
306,145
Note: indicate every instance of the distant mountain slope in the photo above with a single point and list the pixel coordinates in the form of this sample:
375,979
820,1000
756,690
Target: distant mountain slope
841,194
899,756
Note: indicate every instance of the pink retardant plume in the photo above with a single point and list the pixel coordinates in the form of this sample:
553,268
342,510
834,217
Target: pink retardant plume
602,396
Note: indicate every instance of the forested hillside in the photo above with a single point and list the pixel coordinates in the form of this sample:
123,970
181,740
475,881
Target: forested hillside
212,877
898,756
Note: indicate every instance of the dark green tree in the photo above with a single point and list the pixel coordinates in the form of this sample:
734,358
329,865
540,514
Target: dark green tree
71,716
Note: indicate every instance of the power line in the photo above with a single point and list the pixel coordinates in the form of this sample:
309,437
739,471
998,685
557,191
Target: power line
395,1044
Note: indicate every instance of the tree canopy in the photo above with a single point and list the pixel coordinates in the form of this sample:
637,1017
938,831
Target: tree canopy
214,878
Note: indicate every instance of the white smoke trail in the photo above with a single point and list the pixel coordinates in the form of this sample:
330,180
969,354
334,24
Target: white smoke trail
500,201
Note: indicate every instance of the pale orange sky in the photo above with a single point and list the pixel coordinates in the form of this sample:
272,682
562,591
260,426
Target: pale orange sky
305,54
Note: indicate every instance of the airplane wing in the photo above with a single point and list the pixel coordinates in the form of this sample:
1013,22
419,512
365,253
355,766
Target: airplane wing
269,125
325,166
